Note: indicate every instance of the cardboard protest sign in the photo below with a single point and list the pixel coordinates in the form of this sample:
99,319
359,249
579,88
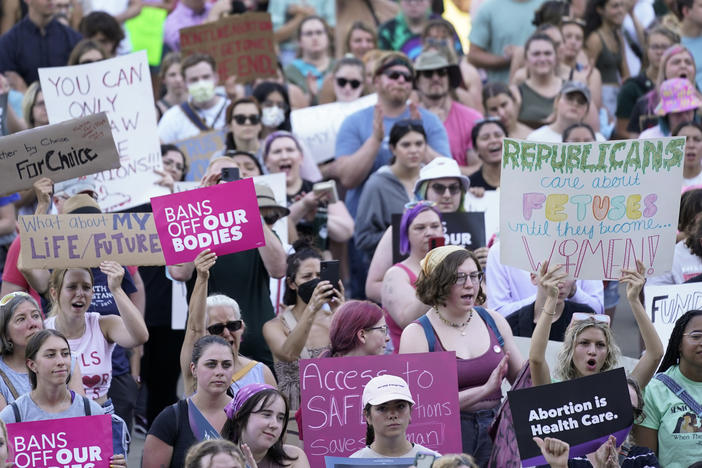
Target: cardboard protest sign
200,149
593,207
85,240
62,151
332,413
489,204
666,303
82,442
224,218
120,87
583,412
242,45
466,229
317,126
341,462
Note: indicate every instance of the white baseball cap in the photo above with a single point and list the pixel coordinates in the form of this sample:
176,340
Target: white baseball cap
440,168
386,388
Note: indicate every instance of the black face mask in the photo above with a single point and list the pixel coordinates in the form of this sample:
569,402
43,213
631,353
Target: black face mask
305,290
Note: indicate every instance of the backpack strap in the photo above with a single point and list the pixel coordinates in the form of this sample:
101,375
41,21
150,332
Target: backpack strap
194,118
428,331
15,409
8,384
680,392
86,406
487,318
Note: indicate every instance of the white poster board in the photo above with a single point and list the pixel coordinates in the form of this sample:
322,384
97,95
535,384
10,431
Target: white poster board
121,87
593,207
667,303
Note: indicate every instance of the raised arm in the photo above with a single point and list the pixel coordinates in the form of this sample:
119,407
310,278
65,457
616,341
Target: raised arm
272,254
128,329
195,327
380,264
399,298
646,367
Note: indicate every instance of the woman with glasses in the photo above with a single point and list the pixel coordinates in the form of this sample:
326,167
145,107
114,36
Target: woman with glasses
674,393
357,329
348,77
217,315
301,331
488,136
388,189
314,59
450,283
243,117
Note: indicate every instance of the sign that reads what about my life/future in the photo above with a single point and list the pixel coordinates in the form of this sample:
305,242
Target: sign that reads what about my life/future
593,207
332,409
85,240
223,218
61,151
242,45
82,442
583,412
120,87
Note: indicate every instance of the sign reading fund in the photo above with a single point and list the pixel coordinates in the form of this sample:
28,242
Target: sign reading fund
593,207
83,442
224,218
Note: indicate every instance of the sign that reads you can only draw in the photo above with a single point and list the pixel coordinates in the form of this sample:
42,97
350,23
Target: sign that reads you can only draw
61,151
593,207
332,409
82,442
224,218
582,412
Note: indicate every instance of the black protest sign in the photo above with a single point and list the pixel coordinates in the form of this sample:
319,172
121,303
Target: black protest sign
466,229
583,412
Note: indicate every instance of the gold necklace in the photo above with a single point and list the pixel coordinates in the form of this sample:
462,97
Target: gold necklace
462,326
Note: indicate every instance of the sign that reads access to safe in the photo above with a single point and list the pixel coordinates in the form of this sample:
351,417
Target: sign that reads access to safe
82,442
224,218
593,207
582,412
61,151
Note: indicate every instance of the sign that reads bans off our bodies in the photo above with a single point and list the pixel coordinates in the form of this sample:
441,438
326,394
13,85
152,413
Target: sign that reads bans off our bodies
224,218
593,207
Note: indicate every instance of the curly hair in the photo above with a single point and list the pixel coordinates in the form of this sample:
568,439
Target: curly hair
434,288
565,369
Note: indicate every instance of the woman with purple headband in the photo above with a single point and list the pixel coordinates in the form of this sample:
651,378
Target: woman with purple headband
257,419
420,223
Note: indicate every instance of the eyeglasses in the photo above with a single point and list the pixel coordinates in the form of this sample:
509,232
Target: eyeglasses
395,75
441,72
414,204
583,316
383,328
342,82
638,415
475,278
241,119
441,188
171,163
695,336
8,297
218,328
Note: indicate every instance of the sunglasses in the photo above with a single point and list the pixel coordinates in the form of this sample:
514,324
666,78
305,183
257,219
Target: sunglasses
342,82
441,188
218,328
8,297
241,119
395,75
441,72
583,316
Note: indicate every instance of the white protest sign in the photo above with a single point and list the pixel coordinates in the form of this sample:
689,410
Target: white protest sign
667,302
121,87
593,207
317,126
489,204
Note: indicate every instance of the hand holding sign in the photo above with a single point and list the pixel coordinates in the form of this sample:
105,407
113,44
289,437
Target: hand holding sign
634,280
555,451
203,262
551,279
115,273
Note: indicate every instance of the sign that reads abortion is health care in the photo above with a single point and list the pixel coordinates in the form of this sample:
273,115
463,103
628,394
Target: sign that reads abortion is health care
593,207
82,442
224,218
332,410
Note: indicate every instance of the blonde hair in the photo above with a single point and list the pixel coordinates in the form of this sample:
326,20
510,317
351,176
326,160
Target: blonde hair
56,283
565,369
454,460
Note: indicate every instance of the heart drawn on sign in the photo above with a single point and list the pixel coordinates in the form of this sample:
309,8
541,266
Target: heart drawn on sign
91,381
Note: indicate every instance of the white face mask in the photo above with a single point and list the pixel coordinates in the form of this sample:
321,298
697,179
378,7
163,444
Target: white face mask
201,91
272,116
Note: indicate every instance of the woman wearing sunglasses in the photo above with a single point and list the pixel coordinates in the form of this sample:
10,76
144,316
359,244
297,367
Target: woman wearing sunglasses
217,315
243,118
348,77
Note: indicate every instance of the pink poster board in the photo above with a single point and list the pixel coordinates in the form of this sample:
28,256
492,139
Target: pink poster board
83,442
332,413
224,218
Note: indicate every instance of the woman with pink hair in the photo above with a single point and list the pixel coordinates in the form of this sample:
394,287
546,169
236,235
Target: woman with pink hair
358,329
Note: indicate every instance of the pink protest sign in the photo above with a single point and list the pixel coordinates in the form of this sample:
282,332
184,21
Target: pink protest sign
83,442
332,413
224,218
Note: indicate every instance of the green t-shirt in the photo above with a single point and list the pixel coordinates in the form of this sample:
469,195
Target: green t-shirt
679,430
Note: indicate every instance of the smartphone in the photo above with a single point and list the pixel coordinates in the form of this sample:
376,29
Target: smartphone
230,173
435,242
424,460
329,271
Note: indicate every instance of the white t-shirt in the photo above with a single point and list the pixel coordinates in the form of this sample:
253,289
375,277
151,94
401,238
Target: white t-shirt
368,452
546,134
175,125
697,180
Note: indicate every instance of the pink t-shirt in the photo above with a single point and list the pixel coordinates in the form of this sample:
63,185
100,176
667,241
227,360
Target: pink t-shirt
459,124
94,355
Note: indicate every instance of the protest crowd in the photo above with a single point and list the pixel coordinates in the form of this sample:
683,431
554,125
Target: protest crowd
309,233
